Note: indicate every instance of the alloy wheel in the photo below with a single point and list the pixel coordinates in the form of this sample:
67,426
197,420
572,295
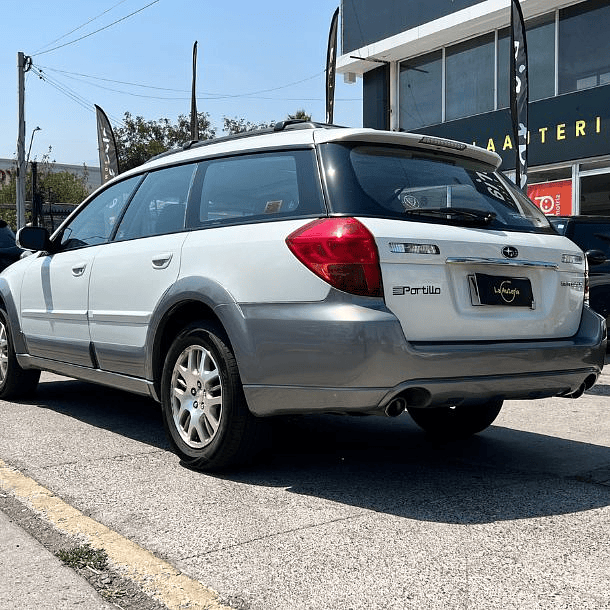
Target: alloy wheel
196,396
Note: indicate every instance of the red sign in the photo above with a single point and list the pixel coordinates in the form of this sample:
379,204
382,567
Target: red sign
553,198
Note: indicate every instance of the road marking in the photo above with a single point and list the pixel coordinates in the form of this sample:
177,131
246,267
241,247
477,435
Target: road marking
156,577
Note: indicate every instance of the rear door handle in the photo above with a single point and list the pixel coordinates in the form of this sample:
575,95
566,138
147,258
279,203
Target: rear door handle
78,270
162,261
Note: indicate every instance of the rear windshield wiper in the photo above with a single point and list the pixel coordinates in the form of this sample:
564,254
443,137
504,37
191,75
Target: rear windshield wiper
464,215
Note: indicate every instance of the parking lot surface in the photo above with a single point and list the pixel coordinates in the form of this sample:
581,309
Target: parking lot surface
343,513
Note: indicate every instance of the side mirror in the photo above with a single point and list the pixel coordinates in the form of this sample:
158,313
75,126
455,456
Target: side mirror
595,257
34,238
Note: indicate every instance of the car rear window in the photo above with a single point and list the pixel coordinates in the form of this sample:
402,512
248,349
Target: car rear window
411,184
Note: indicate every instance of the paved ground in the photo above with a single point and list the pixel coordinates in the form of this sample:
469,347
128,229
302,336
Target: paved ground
346,513
32,577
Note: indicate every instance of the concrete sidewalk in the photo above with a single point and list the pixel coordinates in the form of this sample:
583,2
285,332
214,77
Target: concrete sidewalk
32,578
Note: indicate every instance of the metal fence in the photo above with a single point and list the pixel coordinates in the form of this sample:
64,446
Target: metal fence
49,215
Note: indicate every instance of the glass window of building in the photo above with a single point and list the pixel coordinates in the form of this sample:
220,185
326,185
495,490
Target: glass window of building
421,91
541,57
503,68
470,77
595,194
541,60
584,46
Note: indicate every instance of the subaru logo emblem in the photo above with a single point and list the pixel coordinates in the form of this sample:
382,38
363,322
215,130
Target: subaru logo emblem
510,252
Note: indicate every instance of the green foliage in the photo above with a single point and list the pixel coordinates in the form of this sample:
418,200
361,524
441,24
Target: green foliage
60,187
235,125
52,186
138,140
83,556
300,114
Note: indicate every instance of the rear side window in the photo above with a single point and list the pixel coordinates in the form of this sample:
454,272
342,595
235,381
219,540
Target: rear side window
256,187
416,185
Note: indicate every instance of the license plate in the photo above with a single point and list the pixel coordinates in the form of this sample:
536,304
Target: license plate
502,290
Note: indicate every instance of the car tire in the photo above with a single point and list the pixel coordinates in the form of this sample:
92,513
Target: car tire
15,382
456,422
205,413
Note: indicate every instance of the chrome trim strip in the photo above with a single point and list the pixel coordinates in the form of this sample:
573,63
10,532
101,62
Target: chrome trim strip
469,260
55,314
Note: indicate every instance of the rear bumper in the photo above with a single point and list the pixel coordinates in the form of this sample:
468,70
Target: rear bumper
351,356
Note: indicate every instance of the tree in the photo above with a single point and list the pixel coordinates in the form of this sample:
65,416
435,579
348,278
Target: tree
236,125
138,140
53,187
300,114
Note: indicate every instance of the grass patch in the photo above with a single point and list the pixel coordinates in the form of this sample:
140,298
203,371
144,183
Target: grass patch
84,556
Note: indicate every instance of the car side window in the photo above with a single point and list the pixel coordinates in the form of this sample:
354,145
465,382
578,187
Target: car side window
159,205
95,223
257,186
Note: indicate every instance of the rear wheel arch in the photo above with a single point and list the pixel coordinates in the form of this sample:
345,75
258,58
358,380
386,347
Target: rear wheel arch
175,320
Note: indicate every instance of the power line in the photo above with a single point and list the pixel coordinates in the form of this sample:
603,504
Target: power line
80,27
98,30
209,94
70,93
39,72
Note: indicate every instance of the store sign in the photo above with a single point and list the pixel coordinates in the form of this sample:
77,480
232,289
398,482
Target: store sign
563,128
553,198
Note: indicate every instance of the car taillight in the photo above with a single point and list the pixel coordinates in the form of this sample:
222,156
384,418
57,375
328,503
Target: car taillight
342,251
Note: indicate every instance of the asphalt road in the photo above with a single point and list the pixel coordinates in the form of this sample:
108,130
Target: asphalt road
344,513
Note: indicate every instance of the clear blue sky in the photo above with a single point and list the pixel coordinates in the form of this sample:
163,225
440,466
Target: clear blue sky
246,48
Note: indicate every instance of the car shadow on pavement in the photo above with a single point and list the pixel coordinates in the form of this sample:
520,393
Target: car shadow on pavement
133,416
390,466
382,464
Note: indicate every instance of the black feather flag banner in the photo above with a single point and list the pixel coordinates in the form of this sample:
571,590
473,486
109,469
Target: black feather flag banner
519,93
194,117
106,143
331,67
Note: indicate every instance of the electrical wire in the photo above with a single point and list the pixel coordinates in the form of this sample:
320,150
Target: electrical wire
80,27
208,94
71,94
45,77
61,46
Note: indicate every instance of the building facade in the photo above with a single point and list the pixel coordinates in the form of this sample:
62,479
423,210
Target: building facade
8,168
442,67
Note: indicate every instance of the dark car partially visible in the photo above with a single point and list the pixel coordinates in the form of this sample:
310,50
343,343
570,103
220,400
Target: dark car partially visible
9,251
592,235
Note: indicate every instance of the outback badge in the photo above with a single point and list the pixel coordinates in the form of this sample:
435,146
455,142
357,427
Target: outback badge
510,252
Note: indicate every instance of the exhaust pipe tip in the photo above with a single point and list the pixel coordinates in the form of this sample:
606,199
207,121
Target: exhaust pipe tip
578,393
396,407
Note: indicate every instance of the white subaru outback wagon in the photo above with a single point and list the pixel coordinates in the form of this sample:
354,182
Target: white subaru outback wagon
305,269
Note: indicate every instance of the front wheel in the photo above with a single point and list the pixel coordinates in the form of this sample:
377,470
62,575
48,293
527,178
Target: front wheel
205,413
456,422
15,382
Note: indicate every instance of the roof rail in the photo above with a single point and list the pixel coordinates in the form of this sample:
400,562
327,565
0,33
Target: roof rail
279,126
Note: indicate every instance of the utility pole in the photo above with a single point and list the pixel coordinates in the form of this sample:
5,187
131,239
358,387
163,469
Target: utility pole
23,65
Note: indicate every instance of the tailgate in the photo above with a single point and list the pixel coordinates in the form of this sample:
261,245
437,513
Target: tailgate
478,285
